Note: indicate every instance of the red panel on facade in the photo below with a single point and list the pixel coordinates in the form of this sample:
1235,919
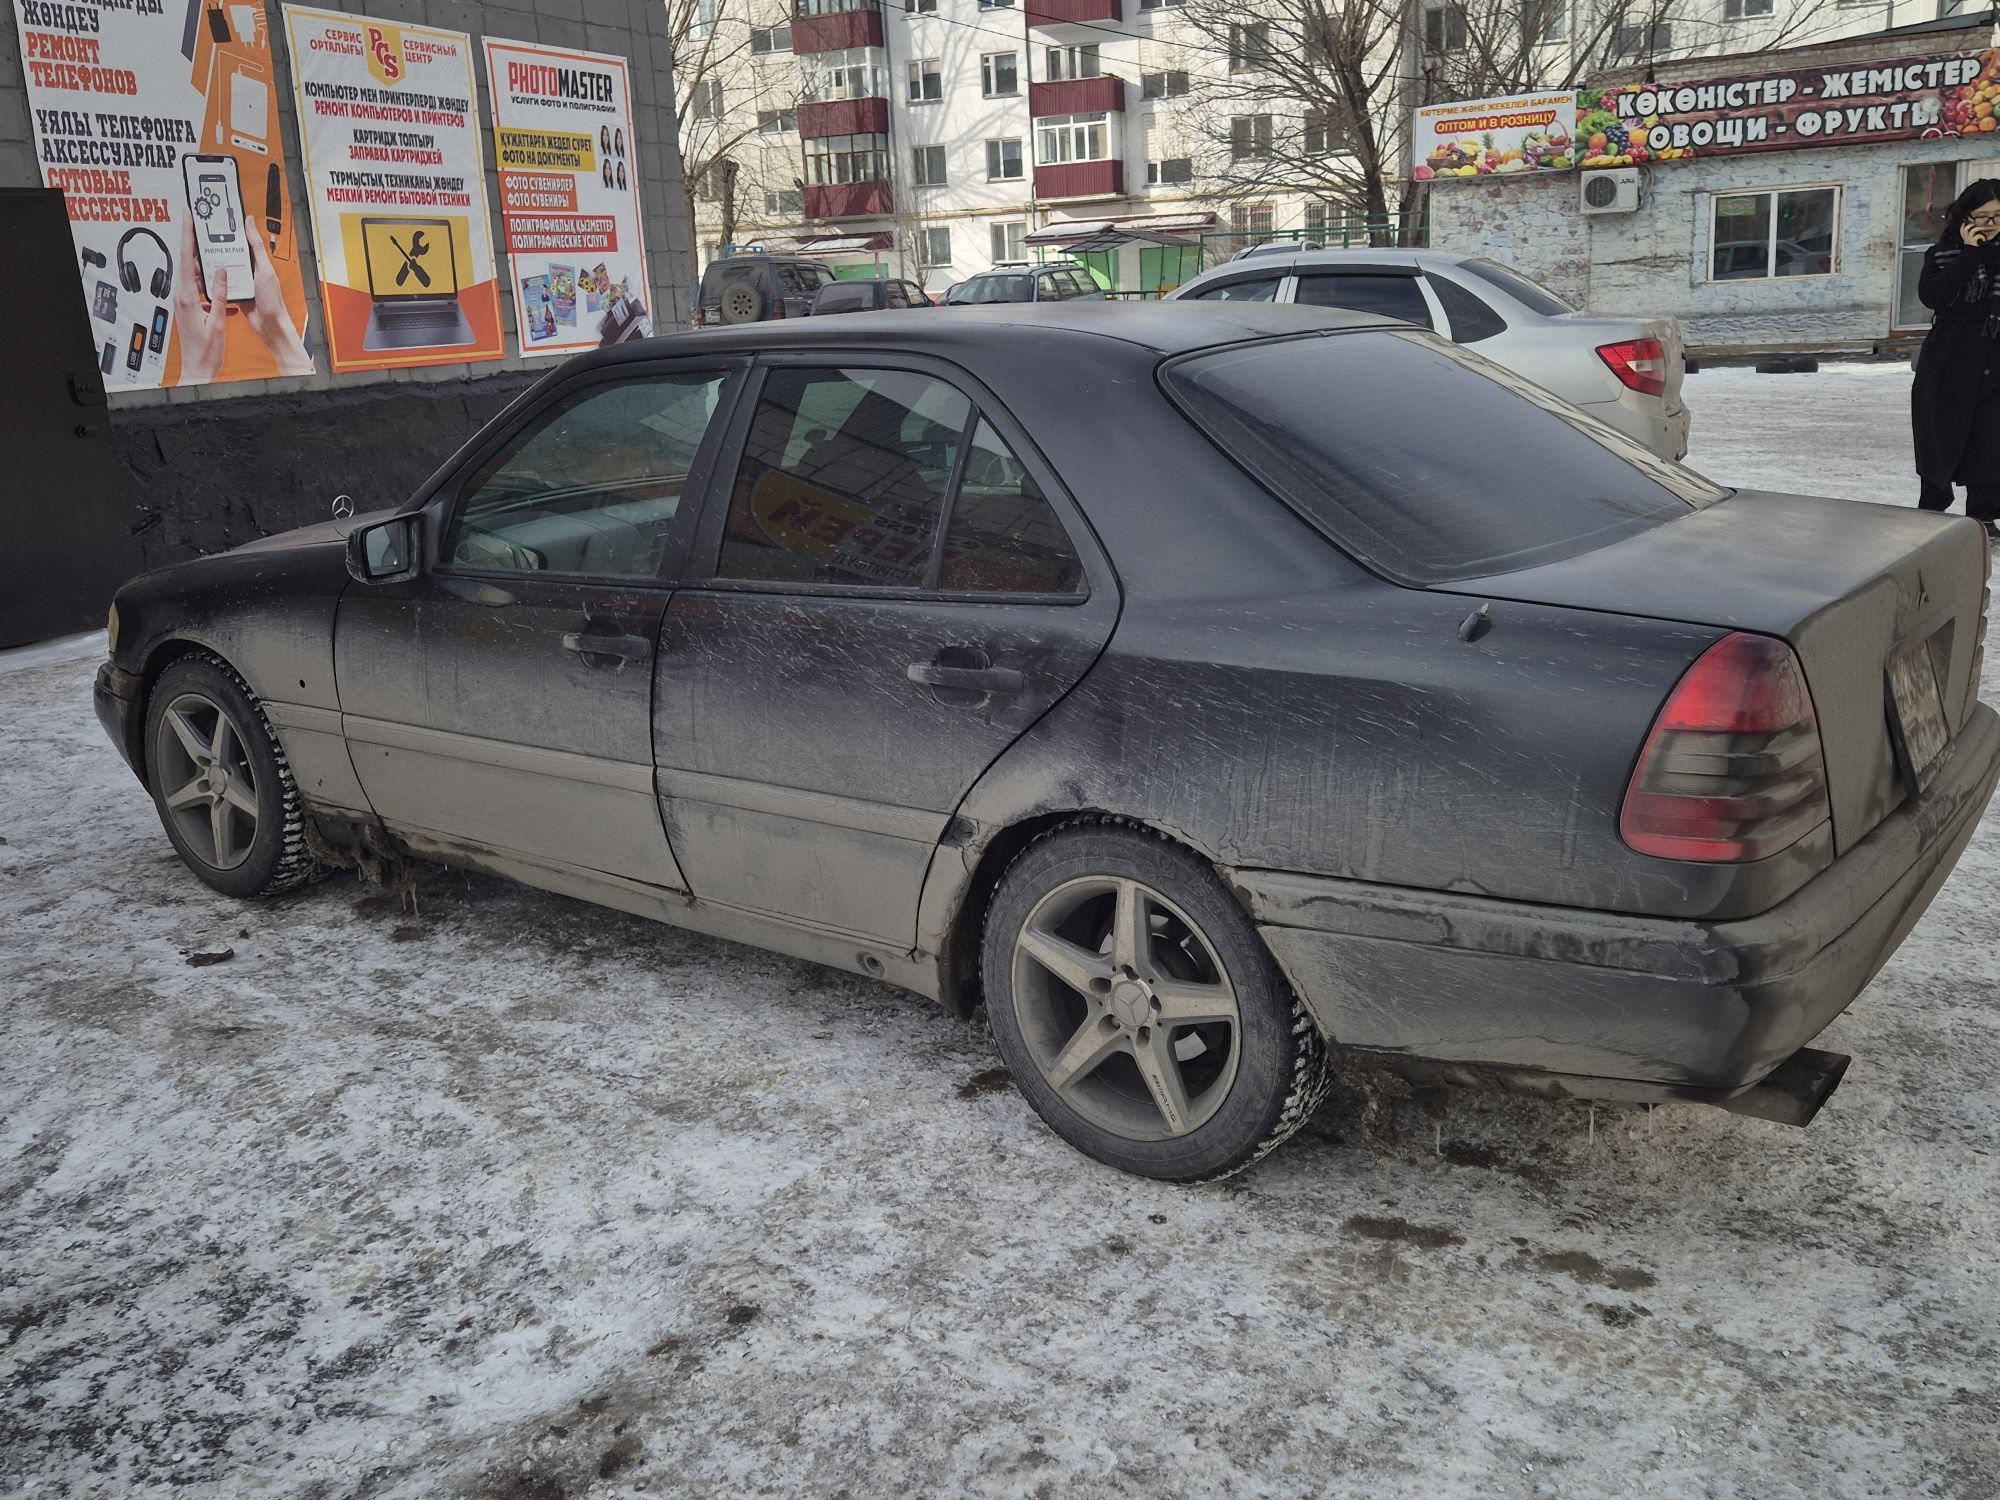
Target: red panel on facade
847,28
1076,96
847,200
843,117
1061,12
1080,179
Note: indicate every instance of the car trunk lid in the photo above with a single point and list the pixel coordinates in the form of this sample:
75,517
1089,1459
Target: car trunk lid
1599,333
1851,589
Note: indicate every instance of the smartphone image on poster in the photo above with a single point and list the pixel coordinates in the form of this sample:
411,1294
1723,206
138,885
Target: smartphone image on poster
221,233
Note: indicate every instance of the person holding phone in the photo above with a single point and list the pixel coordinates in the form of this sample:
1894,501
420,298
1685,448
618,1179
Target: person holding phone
202,315
1955,401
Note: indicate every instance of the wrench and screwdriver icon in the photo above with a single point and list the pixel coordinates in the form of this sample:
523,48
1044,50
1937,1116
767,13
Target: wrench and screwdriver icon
418,249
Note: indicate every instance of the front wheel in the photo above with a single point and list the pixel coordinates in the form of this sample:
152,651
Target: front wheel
220,782
1139,1012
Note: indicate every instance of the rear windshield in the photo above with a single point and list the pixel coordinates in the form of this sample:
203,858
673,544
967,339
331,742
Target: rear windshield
722,273
999,289
1425,461
1530,294
846,295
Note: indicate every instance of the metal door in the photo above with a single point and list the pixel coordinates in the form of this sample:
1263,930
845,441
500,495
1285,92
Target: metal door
64,524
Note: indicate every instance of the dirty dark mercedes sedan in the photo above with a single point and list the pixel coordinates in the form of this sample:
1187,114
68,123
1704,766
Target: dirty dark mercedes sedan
1198,688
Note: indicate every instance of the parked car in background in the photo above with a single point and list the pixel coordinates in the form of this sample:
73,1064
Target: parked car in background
1624,371
1057,283
871,295
1480,740
1275,247
756,288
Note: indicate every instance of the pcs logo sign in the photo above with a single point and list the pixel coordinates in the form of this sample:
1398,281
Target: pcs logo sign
384,45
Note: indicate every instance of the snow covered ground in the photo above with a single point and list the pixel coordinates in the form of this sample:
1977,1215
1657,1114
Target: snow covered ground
514,1197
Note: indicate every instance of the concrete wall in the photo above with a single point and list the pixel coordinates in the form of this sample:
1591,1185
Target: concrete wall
369,434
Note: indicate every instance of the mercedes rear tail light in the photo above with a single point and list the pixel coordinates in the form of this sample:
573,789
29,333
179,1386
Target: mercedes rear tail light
1640,364
1732,769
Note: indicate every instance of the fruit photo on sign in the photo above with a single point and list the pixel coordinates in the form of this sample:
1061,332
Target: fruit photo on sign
1968,109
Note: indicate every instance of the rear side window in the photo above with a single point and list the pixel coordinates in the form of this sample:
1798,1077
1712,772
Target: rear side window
1530,294
795,281
1004,537
846,298
1000,289
1347,429
1251,289
1471,319
1389,296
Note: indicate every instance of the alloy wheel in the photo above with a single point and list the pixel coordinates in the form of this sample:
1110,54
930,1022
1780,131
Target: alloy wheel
209,787
1126,1010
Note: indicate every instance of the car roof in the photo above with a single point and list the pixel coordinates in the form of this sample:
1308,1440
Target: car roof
1165,328
1384,255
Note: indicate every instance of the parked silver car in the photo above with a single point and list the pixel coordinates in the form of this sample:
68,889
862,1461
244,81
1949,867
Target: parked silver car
1624,371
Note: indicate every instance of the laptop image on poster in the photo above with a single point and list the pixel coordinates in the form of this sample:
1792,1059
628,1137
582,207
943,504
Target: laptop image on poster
412,270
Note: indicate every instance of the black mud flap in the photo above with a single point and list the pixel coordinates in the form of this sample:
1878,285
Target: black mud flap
1794,1091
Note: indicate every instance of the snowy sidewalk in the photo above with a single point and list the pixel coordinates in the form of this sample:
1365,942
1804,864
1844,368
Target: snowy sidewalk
521,1198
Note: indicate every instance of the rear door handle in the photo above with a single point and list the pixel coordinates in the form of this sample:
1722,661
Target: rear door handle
966,679
620,648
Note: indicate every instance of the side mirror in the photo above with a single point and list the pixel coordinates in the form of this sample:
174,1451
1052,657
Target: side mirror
387,552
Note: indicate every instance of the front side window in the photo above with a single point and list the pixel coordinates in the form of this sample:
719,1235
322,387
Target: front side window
1061,138
1761,235
592,486
926,81
1515,478
999,74
1256,289
1003,160
1390,296
846,479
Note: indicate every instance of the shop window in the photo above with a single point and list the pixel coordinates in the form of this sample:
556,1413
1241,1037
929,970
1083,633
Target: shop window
1928,189
1756,236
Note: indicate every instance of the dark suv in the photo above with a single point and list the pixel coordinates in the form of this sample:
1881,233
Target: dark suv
1027,284
867,296
753,288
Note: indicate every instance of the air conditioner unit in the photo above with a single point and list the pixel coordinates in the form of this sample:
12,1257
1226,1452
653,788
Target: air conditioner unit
1612,192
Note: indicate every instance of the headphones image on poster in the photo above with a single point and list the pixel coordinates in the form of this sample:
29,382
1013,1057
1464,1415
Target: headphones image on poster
128,274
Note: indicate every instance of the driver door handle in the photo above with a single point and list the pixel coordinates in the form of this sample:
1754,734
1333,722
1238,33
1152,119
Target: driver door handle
966,679
622,648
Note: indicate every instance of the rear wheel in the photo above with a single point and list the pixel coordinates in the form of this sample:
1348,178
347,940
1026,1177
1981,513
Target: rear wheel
742,303
224,792
1138,1011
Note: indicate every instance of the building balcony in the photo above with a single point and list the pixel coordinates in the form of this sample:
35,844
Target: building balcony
1063,12
1080,179
843,117
1076,96
838,30
847,200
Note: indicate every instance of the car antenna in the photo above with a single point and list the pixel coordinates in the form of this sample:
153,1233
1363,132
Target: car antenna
1476,624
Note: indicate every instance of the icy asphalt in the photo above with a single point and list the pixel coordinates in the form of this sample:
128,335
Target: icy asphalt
513,1197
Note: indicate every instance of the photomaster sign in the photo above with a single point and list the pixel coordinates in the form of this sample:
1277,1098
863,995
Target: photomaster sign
569,195
1629,124
159,125
1495,137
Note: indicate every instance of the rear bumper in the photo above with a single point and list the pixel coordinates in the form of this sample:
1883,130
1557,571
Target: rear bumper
1662,428
115,696
1598,1005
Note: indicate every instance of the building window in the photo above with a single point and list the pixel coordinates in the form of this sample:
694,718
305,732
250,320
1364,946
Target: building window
1249,46
1741,10
1249,137
1061,138
996,4
934,248
1073,62
1010,241
776,121
926,81
847,158
855,73
1555,24
1444,29
1160,4
787,204
705,100
1003,161
1322,138
704,20
1173,171
1315,221
1642,40
927,163
830,7
1169,85
920,7
999,74
771,38
1756,236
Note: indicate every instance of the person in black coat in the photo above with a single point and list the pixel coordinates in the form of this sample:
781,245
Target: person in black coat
1955,402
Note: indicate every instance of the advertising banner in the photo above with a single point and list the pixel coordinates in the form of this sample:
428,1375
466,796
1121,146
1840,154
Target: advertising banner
1905,99
569,196
396,180
1494,137
161,131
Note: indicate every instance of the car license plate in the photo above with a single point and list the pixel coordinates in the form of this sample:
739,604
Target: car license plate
1919,709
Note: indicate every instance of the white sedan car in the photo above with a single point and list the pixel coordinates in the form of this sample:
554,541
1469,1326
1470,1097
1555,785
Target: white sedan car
1624,371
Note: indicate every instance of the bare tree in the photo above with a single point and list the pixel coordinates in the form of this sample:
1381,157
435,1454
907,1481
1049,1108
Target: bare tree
720,100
